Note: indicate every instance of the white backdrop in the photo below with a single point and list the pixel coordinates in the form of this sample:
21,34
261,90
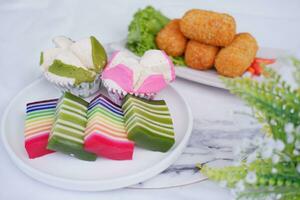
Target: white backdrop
28,26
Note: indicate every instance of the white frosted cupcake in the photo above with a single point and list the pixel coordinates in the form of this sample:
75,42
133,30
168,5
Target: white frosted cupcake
74,66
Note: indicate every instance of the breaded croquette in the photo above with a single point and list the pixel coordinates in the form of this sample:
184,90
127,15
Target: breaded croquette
200,56
233,60
171,40
208,27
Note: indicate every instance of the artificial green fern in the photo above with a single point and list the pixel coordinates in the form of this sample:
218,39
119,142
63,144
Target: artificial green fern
273,169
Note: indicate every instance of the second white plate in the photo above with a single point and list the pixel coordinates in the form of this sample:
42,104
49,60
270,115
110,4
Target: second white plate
211,77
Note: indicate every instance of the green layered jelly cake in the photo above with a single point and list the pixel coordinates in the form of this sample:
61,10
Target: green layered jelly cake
67,134
148,123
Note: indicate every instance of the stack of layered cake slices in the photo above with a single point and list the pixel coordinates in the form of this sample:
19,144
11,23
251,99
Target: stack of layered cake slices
100,128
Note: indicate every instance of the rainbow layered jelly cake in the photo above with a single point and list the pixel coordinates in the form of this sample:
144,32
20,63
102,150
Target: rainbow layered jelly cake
38,123
148,123
105,132
67,134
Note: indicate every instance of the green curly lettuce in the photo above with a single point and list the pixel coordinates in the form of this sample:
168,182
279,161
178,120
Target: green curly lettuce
178,61
143,28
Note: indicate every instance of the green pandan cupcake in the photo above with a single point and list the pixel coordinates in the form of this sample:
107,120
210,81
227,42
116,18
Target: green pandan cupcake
74,66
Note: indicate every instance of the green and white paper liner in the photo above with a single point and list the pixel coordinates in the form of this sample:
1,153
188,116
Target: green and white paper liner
85,89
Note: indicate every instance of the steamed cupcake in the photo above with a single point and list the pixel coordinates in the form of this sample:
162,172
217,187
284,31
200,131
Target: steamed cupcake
74,66
144,77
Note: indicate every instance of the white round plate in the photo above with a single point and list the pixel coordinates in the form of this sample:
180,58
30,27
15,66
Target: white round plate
66,172
211,77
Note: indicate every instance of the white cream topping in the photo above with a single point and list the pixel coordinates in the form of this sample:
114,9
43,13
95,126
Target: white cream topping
78,54
68,57
154,62
62,41
83,50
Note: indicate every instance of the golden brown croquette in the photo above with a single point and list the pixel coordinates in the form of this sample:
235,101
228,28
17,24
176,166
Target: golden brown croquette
200,56
208,27
233,60
171,40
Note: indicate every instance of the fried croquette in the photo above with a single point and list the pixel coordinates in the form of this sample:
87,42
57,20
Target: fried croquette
208,27
200,56
171,40
233,60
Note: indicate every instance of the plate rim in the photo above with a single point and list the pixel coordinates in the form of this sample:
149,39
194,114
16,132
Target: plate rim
204,82
92,185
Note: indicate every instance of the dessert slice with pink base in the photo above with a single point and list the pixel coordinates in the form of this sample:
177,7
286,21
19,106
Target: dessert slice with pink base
38,124
105,131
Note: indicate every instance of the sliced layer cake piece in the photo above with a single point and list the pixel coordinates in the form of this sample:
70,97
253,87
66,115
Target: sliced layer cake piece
105,132
67,133
148,123
38,123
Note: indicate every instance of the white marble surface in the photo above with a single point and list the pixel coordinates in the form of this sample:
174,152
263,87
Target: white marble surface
212,141
26,28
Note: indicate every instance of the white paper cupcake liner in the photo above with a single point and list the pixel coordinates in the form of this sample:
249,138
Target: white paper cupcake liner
117,96
85,89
